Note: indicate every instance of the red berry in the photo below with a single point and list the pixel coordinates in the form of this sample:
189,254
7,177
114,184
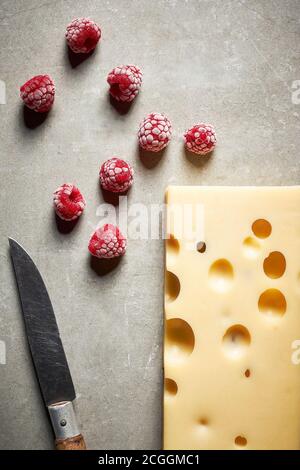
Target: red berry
38,93
125,82
116,175
107,242
83,35
155,132
69,203
200,139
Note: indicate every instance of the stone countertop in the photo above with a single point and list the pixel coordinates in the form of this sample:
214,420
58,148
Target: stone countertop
232,63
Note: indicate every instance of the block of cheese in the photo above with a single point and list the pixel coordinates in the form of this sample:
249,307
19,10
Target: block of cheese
232,318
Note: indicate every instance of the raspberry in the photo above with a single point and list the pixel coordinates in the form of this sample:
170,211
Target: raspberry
107,242
116,175
38,93
200,139
69,203
155,132
83,35
125,82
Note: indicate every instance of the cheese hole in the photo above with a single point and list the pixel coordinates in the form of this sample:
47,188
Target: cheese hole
236,340
201,247
240,441
171,387
274,265
203,421
272,303
172,244
221,275
247,373
262,228
172,286
179,340
251,247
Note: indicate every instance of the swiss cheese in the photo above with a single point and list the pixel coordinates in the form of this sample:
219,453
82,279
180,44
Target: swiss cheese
232,318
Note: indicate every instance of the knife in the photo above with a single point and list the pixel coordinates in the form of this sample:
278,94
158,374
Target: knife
47,351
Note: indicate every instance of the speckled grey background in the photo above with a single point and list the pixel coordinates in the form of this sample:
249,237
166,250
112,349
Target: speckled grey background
229,62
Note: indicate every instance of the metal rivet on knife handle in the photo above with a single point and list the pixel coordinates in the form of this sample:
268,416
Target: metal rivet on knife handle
65,427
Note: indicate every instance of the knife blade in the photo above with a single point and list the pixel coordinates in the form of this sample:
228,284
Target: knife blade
47,351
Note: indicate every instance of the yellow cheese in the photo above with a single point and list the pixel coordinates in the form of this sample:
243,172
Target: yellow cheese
232,318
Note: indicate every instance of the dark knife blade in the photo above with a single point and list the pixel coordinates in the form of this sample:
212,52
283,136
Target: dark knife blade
42,332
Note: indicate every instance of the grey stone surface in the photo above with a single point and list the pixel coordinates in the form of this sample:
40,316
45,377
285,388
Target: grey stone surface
232,63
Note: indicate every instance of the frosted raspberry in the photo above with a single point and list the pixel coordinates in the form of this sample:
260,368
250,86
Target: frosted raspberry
69,203
38,93
125,82
83,35
155,132
107,242
116,175
200,139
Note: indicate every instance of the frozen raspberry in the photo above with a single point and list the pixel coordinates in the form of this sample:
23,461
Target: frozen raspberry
107,242
200,139
116,175
155,132
38,93
83,35
125,82
69,203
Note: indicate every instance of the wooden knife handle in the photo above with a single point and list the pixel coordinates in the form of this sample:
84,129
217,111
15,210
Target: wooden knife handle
72,443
